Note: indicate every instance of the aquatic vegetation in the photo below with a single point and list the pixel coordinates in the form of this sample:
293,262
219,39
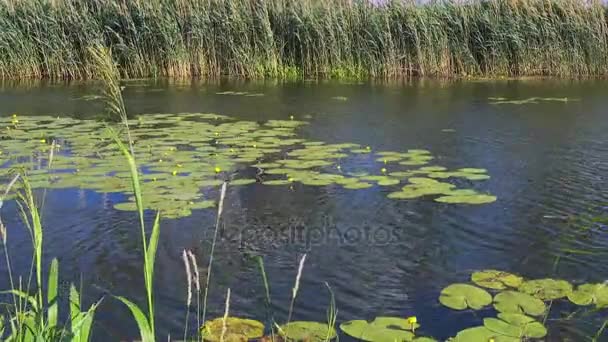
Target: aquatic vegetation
546,289
515,325
236,329
381,329
240,93
496,280
307,331
518,302
464,296
182,155
531,100
588,294
340,98
482,334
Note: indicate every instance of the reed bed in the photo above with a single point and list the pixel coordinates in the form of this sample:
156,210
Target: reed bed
304,38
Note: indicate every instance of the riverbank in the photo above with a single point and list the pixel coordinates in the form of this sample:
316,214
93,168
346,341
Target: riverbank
290,38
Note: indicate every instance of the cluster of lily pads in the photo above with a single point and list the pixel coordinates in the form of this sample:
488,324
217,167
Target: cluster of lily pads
381,329
519,303
183,155
531,100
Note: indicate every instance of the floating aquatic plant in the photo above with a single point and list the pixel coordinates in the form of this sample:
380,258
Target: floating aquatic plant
515,325
232,329
464,296
518,302
546,289
307,331
381,329
185,153
497,280
588,294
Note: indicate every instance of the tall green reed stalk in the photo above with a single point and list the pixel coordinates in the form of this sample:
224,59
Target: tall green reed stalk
113,95
311,38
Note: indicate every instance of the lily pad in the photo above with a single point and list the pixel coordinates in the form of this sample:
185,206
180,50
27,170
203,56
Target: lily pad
515,325
242,181
307,331
467,199
518,302
482,334
237,329
588,294
546,289
496,280
380,329
464,296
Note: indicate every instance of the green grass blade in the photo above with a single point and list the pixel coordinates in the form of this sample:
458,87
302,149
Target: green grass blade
152,246
24,296
52,293
142,322
81,322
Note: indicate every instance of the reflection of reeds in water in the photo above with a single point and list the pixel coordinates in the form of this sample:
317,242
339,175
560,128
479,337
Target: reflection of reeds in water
305,37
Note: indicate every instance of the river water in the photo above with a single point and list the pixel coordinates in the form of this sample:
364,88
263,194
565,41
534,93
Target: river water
548,163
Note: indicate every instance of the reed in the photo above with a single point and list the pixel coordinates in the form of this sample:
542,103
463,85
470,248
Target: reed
304,38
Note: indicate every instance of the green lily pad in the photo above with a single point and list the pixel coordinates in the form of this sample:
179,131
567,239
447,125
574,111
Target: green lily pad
588,294
518,302
464,296
380,329
307,331
546,289
277,182
515,325
243,181
356,185
496,280
467,199
237,329
482,334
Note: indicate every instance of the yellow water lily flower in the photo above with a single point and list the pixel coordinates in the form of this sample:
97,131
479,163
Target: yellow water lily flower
383,170
217,169
43,141
368,148
291,117
174,173
412,320
178,165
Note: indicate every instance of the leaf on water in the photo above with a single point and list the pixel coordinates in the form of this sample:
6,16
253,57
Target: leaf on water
496,280
467,199
515,325
307,331
380,329
242,181
482,334
237,329
588,294
546,289
464,296
518,302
